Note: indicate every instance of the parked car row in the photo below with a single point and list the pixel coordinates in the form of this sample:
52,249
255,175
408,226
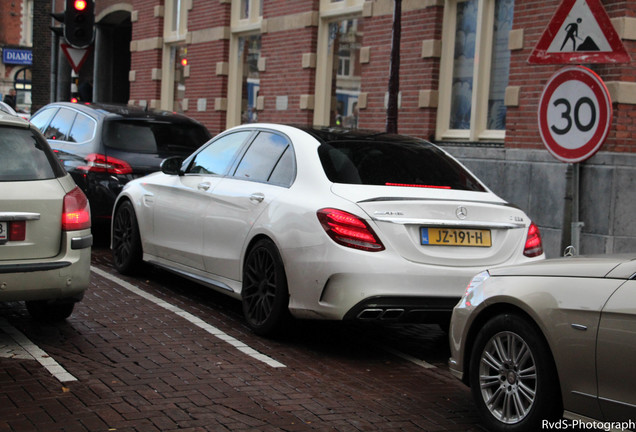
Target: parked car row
321,223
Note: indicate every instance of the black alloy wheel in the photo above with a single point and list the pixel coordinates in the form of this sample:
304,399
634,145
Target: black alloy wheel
264,294
127,251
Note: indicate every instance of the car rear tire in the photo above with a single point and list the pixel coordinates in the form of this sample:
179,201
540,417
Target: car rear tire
127,251
512,376
47,311
264,295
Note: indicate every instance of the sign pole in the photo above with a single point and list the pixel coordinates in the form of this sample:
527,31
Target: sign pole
575,110
575,115
577,225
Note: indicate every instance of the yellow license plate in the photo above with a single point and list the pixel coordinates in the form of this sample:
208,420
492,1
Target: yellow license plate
456,237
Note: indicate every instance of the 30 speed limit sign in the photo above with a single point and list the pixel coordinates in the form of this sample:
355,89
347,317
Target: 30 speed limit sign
575,114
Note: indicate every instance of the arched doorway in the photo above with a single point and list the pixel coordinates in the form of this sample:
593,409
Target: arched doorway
113,33
22,85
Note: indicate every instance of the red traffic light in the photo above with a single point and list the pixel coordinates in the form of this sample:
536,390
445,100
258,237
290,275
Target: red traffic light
79,20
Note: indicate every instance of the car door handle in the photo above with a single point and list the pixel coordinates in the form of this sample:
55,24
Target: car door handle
258,197
204,186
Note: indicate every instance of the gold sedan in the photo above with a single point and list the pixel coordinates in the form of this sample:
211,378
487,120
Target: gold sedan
550,344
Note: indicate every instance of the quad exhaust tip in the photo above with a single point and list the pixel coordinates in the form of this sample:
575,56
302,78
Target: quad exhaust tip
374,314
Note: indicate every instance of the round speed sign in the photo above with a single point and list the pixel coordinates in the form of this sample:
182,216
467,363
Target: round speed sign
575,114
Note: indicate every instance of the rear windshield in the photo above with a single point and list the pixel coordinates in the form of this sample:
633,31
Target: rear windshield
139,136
409,164
25,156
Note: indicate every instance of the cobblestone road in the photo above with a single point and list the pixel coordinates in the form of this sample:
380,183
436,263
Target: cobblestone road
190,363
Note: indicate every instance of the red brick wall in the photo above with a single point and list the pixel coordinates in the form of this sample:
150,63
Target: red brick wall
143,62
284,74
10,22
203,82
416,73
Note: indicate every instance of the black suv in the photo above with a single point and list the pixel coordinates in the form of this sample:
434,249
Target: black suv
105,146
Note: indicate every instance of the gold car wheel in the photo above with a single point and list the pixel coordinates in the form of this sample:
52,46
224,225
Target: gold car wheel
512,375
508,377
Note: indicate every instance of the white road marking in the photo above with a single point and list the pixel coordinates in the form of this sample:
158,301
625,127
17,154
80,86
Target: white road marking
34,352
241,346
412,359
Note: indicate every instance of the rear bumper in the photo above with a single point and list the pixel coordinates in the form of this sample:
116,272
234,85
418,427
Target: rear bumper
404,309
65,276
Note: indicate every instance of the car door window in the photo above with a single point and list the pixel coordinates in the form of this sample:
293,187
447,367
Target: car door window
42,118
60,125
218,156
83,129
262,156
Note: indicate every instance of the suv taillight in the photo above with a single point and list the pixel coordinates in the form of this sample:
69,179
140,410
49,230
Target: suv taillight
101,163
534,246
76,213
349,230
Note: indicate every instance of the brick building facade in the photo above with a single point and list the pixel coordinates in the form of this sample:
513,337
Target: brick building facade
465,84
327,62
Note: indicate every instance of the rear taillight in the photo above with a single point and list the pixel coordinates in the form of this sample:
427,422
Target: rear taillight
349,230
534,246
17,231
102,163
76,214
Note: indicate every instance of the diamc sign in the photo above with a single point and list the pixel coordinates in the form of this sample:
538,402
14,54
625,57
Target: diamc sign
17,56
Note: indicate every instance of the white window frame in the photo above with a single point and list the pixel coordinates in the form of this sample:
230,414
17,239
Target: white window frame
27,23
172,38
178,34
329,12
245,27
481,76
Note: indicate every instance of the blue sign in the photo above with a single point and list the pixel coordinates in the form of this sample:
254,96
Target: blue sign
17,56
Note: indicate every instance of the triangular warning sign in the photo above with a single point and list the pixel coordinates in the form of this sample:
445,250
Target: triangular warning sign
580,32
76,56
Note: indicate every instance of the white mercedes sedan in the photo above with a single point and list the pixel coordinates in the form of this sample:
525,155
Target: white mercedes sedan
550,345
321,224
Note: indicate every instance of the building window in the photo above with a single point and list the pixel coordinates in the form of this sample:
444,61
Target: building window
245,51
179,54
251,8
338,76
173,79
249,53
475,69
175,21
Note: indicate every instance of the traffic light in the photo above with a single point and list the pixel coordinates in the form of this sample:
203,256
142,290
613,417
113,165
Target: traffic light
58,30
79,20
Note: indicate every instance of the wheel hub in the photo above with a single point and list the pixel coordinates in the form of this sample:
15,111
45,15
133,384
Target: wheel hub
508,377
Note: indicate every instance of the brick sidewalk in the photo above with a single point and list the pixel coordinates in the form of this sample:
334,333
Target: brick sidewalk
142,368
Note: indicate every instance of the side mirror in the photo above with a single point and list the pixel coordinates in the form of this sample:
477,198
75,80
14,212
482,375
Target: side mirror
172,165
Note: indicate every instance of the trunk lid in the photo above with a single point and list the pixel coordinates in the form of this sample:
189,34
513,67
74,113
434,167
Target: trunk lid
39,204
442,227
